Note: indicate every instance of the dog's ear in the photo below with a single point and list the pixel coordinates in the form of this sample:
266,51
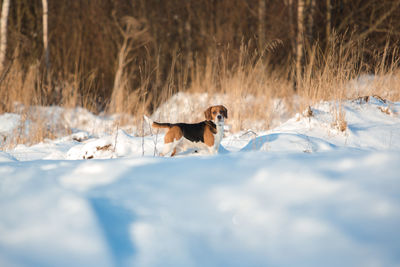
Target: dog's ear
224,111
207,114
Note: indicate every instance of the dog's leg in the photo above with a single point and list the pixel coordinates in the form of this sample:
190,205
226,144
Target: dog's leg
172,140
169,148
173,152
177,147
212,150
172,148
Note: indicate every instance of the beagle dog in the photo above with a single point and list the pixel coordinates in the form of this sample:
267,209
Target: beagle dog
205,135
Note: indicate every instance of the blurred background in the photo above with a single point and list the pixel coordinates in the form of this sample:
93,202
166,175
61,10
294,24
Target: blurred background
132,55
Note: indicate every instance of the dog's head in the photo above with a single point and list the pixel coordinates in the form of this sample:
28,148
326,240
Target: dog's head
217,114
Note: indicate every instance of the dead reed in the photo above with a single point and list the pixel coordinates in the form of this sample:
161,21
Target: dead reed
257,93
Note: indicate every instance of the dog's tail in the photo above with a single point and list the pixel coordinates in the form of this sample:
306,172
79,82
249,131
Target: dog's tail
161,125
156,124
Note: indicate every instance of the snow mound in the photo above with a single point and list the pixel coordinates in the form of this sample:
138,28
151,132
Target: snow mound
82,119
372,124
303,194
190,107
185,107
5,157
8,122
112,146
242,209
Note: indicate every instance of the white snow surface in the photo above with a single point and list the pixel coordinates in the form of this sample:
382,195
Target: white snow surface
302,194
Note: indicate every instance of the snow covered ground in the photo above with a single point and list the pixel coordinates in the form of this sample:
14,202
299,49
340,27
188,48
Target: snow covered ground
301,194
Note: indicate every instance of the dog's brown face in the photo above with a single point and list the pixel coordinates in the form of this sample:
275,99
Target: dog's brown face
216,114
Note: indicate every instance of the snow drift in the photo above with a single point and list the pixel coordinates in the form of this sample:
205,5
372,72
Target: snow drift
302,194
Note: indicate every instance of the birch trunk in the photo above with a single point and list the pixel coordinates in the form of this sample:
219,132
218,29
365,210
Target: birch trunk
45,34
3,33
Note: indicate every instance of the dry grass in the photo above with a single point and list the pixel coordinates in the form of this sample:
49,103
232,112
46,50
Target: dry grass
251,88
339,117
34,127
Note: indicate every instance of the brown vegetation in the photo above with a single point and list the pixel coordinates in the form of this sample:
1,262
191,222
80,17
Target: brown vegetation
130,56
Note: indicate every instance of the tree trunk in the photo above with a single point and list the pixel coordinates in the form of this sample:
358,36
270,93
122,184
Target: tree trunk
45,35
292,34
299,42
328,21
188,37
261,25
310,20
3,33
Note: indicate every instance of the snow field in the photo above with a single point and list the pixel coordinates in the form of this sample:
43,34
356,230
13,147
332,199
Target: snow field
339,208
301,194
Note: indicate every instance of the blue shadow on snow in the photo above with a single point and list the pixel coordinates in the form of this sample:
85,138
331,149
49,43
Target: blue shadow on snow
115,221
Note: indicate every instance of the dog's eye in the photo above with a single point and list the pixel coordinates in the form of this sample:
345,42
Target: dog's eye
214,112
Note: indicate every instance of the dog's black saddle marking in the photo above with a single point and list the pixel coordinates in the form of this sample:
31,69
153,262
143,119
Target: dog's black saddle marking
195,131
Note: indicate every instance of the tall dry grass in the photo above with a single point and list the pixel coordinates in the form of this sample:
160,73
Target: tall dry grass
339,73
250,87
130,56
